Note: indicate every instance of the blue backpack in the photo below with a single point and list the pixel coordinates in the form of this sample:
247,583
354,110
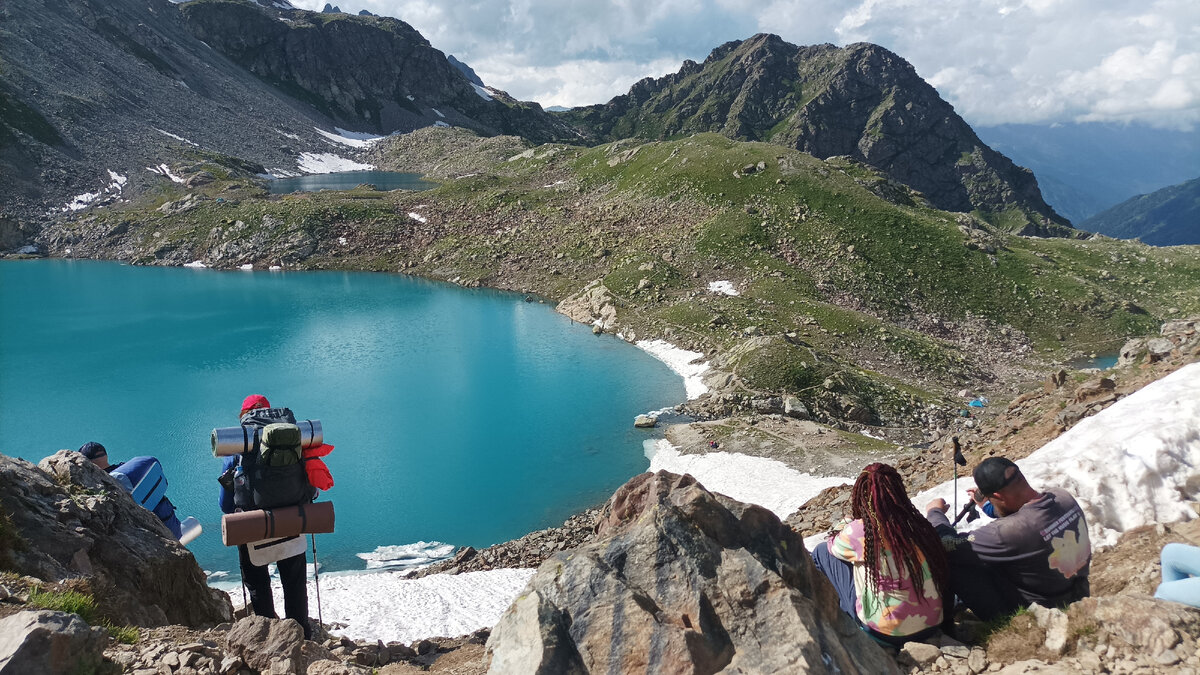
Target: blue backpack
144,478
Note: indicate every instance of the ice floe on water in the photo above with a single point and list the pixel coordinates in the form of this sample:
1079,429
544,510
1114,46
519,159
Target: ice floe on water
681,361
353,139
327,162
407,556
754,480
1134,463
723,287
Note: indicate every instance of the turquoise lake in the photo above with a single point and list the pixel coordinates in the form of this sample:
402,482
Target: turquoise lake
347,180
467,417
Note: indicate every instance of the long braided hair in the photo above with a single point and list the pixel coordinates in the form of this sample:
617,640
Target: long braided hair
892,523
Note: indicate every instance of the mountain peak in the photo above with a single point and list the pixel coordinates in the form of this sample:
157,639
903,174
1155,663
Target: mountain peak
861,101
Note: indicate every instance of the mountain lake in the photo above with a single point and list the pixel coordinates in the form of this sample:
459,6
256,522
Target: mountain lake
346,180
461,417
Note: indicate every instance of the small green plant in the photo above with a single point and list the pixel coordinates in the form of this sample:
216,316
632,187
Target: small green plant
71,602
124,634
84,606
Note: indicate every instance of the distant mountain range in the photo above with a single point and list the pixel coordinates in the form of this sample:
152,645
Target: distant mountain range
1086,168
128,86
1166,217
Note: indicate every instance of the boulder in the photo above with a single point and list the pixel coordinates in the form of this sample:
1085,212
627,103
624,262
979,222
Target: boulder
681,580
48,643
1132,352
645,421
1159,348
266,644
794,407
71,519
594,305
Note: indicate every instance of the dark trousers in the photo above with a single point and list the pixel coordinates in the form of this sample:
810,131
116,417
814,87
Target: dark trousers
292,575
841,574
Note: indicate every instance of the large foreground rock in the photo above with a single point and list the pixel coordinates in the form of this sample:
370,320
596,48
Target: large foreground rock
681,580
71,520
49,643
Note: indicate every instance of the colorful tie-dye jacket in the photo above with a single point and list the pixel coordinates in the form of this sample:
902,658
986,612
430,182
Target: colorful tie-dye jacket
893,608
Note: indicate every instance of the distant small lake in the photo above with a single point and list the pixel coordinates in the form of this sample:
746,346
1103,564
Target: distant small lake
348,180
1102,361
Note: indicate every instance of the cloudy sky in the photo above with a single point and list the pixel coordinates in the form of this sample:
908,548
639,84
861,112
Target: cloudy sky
997,61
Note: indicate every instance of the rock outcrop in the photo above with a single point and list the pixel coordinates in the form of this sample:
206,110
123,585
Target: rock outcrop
71,520
49,643
681,580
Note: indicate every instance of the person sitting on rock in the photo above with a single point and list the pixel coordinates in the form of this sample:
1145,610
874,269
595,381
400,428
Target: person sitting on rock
887,566
1180,574
143,478
1036,551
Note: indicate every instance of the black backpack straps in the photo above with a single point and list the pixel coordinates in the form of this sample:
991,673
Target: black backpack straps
303,518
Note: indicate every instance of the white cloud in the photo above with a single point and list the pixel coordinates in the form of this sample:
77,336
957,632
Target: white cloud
996,61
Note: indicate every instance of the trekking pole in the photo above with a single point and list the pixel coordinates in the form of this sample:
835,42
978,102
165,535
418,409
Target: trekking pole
317,577
958,460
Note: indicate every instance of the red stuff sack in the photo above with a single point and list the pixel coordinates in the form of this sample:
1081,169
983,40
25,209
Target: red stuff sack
318,474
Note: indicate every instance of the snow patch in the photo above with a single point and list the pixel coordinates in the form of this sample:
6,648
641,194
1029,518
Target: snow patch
769,483
1134,463
197,264
111,191
327,162
164,170
723,287
483,93
285,134
353,139
441,124
178,138
680,361
246,267
417,217
439,112
557,182
385,606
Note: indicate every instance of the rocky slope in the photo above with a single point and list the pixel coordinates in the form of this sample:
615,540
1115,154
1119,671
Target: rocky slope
1166,217
369,73
127,85
861,101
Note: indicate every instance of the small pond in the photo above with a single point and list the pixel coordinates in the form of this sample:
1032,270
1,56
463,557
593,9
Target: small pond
348,180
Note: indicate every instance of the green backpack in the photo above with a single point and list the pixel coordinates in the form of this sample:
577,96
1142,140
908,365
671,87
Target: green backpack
280,445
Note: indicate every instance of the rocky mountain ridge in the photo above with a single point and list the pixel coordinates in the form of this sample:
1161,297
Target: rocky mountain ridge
96,97
861,101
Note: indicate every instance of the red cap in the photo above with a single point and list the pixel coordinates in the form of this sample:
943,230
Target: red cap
254,401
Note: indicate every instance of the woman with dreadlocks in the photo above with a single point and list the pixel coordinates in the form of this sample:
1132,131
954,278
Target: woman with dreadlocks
888,564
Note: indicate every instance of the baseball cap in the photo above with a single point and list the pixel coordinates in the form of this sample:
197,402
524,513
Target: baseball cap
92,450
254,401
993,474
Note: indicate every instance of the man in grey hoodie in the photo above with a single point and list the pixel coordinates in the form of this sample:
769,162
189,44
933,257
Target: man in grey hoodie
1036,551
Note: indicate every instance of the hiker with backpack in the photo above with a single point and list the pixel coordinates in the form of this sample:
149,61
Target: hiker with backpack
143,479
270,475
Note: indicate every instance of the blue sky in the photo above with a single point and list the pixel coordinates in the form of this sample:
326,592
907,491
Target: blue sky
996,61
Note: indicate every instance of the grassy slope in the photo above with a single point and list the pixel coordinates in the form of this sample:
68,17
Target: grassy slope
870,298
